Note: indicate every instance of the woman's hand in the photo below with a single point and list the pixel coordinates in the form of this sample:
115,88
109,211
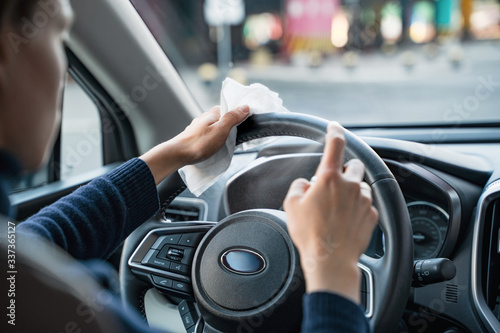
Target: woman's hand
201,139
331,220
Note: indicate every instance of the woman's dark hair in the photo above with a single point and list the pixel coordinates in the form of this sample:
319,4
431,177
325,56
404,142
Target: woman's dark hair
12,11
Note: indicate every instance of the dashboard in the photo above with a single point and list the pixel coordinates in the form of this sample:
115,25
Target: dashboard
442,185
434,208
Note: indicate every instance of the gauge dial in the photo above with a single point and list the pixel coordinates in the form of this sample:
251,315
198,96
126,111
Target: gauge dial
430,225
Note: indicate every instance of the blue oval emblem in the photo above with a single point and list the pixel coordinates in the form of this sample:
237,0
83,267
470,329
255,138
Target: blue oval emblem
243,261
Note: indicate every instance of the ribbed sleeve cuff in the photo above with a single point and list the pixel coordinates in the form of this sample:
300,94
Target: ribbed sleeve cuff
328,312
136,184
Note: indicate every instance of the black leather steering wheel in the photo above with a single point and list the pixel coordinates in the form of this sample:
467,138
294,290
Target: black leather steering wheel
203,259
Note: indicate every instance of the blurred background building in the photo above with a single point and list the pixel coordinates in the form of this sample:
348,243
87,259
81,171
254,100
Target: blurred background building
321,28
360,62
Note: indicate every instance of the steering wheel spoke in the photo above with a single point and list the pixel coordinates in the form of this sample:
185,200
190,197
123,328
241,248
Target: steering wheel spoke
369,268
165,255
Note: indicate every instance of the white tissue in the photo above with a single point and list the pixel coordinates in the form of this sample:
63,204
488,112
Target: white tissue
260,99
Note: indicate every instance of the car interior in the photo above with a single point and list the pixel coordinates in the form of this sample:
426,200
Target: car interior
433,264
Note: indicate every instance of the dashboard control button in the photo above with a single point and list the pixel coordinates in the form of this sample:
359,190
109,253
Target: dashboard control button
171,239
159,263
188,320
167,239
162,282
151,260
185,307
191,239
179,268
175,254
191,329
181,286
188,256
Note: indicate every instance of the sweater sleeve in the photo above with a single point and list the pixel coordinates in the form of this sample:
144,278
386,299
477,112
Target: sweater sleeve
95,219
327,313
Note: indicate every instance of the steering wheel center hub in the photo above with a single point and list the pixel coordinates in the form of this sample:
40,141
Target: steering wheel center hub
250,254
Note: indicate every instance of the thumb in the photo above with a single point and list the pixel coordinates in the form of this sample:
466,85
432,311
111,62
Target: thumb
234,117
296,191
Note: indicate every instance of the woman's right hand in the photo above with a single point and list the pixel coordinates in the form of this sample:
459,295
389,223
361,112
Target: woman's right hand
331,220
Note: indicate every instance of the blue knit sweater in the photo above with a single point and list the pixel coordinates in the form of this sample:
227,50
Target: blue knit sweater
94,220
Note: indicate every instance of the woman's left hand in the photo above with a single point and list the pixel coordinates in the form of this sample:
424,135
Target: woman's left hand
201,139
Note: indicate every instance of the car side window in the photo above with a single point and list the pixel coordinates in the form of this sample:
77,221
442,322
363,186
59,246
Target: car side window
80,147
81,133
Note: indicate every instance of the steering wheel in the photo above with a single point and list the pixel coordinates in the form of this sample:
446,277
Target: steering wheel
243,272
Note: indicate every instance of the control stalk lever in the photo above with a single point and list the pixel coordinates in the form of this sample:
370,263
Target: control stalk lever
430,271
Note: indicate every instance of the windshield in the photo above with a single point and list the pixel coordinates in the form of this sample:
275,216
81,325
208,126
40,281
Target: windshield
362,63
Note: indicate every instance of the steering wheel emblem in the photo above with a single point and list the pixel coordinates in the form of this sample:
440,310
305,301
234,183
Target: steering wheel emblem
243,261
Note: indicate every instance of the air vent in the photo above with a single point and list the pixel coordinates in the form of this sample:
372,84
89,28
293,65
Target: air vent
492,272
186,209
451,293
485,268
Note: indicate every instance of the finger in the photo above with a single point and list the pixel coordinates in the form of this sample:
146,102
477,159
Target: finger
209,117
373,217
366,189
215,110
212,116
333,154
354,170
234,117
297,189
368,225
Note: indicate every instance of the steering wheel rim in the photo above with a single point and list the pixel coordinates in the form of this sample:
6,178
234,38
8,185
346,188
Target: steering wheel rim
391,274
